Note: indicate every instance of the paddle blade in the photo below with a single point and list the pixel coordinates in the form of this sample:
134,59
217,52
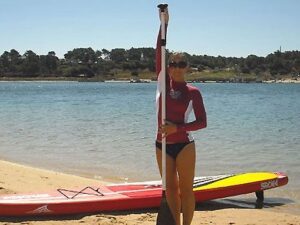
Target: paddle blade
164,216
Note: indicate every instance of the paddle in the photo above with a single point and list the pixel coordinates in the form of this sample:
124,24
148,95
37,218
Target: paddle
164,216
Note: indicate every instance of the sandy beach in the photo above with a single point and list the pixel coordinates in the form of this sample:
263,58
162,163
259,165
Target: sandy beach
17,178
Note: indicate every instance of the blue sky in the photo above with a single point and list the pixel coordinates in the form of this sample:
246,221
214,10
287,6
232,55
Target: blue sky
212,27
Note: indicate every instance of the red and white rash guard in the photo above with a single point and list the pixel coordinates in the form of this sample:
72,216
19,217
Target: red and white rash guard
181,100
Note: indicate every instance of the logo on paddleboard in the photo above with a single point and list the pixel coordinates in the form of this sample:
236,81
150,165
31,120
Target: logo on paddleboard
175,94
43,209
269,184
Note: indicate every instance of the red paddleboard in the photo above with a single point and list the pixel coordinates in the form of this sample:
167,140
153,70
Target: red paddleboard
131,196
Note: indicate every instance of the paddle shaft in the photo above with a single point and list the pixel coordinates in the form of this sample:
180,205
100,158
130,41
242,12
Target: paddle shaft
164,215
163,100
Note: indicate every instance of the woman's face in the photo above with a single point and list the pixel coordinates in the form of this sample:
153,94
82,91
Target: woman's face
177,67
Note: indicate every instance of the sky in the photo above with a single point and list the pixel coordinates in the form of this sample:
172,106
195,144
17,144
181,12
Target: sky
236,28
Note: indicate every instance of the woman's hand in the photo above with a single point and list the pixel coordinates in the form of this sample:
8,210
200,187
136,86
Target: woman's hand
165,14
167,129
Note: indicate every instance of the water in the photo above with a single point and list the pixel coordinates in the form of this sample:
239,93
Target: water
107,129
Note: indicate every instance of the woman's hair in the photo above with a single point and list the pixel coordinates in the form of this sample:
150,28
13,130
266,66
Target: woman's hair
180,55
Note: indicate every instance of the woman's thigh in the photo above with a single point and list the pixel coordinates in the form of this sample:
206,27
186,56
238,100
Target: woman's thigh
185,163
171,171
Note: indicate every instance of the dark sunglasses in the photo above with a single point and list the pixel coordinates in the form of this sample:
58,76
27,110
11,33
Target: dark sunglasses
180,64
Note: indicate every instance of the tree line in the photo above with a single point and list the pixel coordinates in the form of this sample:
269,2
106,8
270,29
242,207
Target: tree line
86,62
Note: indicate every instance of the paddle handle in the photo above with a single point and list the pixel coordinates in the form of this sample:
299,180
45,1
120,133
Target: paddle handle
162,9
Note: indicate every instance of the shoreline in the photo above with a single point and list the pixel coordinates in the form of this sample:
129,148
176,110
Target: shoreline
129,80
16,179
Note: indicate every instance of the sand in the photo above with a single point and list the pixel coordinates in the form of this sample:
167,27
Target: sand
15,178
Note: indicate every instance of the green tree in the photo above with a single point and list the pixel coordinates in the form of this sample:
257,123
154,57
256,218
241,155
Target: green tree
98,54
30,65
118,55
15,61
106,54
52,62
135,54
297,64
86,56
5,61
49,63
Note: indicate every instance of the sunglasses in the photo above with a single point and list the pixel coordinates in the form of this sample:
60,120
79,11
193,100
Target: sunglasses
180,64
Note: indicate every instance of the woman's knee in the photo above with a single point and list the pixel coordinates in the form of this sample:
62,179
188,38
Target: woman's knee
187,194
186,190
173,186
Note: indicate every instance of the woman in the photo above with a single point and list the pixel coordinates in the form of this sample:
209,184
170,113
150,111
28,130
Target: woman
181,99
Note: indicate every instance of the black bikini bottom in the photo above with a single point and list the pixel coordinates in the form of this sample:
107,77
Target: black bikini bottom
173,149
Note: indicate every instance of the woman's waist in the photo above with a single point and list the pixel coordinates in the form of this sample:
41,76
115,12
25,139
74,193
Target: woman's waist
178,137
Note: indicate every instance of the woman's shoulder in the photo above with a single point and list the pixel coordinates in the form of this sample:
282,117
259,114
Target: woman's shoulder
194,91
192,88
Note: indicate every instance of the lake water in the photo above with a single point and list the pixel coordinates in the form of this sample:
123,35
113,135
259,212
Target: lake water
107,130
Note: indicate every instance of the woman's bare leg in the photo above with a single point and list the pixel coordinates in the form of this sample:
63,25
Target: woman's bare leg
185,164
172,192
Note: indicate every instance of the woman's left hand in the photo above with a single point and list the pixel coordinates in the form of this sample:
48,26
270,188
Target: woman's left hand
168,128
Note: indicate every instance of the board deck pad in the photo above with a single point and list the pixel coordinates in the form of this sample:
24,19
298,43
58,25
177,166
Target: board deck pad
130,196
